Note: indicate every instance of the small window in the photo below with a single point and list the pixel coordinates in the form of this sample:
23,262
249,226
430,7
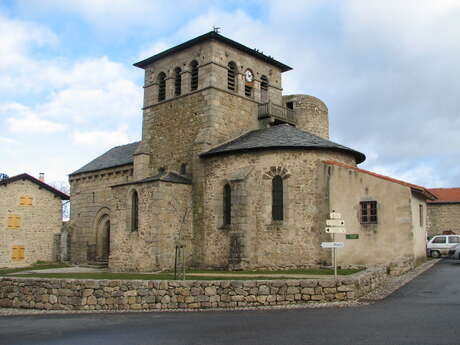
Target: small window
183,169
17,253
177,81
277,198
420,210
227,204
231,76
290,105
134,212
25,200
264,89
14,222
440,239
369,212
161,87
194,73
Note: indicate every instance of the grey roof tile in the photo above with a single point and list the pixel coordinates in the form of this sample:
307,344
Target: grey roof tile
116,156
280,137
170,176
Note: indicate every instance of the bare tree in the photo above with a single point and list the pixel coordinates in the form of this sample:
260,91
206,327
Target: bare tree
64,187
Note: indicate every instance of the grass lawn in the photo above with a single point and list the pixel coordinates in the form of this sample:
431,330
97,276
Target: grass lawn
140,276
321,271
34,267
223,275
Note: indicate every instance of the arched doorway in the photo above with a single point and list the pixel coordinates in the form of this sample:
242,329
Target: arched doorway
103,239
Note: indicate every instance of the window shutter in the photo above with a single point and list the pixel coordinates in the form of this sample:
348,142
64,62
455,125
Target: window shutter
11,222
18,253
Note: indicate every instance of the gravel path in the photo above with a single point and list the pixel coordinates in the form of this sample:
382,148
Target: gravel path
390,285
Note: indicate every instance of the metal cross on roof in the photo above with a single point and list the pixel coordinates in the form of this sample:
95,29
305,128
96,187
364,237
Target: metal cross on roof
216,29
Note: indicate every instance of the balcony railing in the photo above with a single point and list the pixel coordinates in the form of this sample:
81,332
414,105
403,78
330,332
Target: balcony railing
277,112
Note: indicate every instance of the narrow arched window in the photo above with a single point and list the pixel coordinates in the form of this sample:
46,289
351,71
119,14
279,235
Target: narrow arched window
227,204
194,75
177,81
161,87
134,212
277,198
231,76
264,89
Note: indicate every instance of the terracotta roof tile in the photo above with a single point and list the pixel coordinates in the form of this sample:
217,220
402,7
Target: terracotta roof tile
415,187
445,195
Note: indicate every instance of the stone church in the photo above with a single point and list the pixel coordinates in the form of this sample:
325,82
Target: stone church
237,175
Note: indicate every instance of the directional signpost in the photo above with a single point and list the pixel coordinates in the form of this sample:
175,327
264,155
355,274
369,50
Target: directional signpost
334,225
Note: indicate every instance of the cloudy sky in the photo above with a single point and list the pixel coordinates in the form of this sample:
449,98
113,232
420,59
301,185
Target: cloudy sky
388,71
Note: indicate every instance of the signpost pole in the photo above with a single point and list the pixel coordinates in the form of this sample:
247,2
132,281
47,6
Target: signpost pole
335,258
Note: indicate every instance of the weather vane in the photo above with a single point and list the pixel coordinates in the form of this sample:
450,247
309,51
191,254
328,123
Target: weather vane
216,29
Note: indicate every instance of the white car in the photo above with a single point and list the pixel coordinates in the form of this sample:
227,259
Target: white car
441,245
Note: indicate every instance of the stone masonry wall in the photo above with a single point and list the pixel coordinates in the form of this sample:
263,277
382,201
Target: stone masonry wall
252,236
443,217
39,223
90,199
71,294
311,113
164,222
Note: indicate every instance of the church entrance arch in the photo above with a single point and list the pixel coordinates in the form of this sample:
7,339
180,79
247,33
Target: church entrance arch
103,238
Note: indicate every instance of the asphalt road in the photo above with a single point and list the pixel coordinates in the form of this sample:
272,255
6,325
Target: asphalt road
426,311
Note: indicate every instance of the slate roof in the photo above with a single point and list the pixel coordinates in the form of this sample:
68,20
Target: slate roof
280,137
213,36
169,176
446,195
116,156
41,184
422,190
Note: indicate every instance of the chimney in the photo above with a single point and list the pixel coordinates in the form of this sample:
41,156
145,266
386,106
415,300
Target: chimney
41,177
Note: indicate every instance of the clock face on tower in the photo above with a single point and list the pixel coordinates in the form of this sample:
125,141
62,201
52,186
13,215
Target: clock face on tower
248,76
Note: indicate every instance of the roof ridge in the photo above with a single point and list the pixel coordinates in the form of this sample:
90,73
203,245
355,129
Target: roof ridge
42,184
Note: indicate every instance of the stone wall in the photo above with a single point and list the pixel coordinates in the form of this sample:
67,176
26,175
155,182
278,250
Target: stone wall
57,294
164,222
443,217
38,223
311,113
257,240
91,199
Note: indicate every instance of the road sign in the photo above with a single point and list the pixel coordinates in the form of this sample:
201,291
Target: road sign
336,230
332,244
335,215
335,222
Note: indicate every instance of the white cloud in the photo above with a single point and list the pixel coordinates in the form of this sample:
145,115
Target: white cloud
101,138
121,16
25,121
16,39
5,140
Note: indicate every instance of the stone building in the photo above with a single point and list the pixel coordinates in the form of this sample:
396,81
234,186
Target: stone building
234,172
444,212
30,217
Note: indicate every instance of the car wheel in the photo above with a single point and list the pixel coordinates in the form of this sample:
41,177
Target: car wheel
435,254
